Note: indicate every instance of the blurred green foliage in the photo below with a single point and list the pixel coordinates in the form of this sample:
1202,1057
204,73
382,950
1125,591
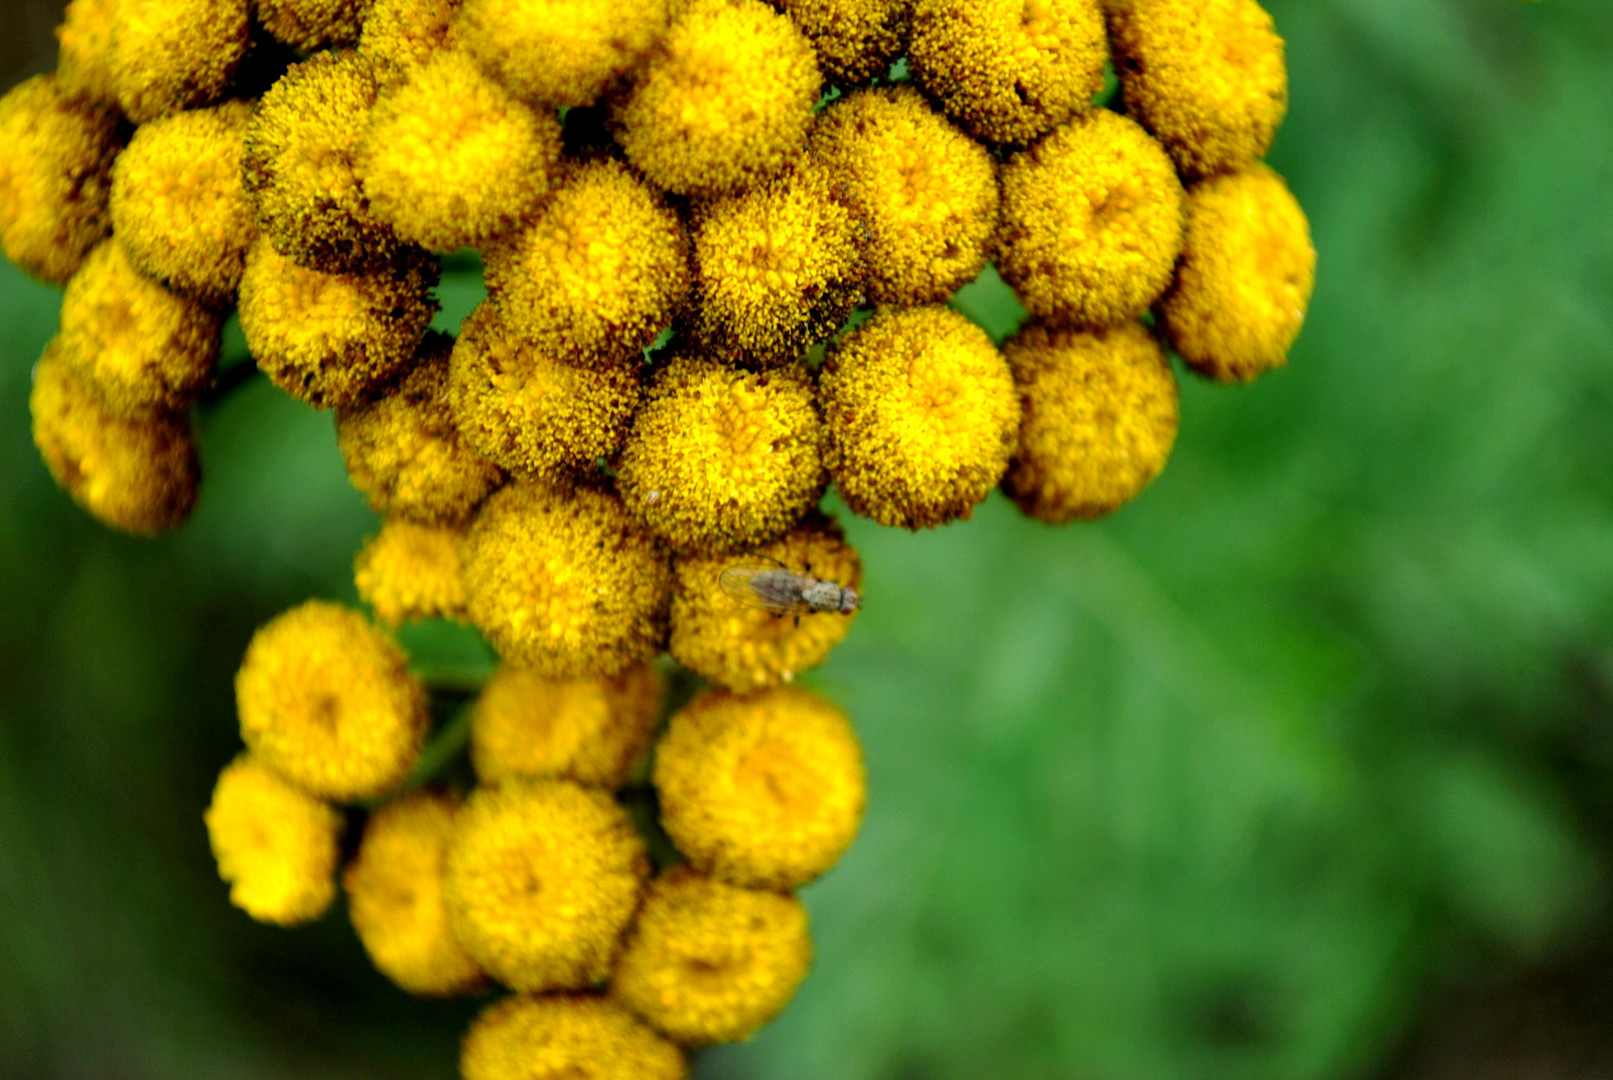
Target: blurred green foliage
1220,787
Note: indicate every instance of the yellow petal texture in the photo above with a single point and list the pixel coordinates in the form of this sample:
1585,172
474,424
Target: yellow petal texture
84,54
307,25
410,571
403,34
855,40
276,845
560,52
169,55
566,1035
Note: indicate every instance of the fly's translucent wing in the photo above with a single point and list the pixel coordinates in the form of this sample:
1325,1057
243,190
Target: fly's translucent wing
763,586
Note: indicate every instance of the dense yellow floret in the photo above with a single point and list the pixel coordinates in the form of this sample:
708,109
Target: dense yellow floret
404,451
724,100
138,475
543,876
178,206
410,571
1009,71
1100,419
1091,222
588,730
307,25
920,416
743,645
451,159
765,790
1246,276
169,55
54,177
856,40
720,458
139,346
1206,76
402,34
925,191
276,845
331,339
395,897
565,582
777,267
529,412
560,52
301,165
325,699
84,53
566,1035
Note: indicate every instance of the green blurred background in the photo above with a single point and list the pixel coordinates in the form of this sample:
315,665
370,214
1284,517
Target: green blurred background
1299,767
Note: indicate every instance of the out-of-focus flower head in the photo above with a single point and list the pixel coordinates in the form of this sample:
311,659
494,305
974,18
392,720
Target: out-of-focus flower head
559,1035
309,25
276,845
856,40
560,52
403,34
411,571
169,55
84,54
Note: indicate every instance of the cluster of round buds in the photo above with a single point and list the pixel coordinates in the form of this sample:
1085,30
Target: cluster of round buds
720,239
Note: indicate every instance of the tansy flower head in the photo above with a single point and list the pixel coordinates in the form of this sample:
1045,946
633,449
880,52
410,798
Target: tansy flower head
1206,76
411,571
721,458
708,962
565,1035
404,451
542,878
177,202
588,730
1100,419
138,475
403,34
307,25
1092,221
331,339
559,52
395,897
920,416
597,273
451,159
1009,71
745,646
276,845
54,177
764,790
169,55
140,346
84,55
777,267
565,582
724,100
926,192
856,40
301,165
325,699
1246,277
530,412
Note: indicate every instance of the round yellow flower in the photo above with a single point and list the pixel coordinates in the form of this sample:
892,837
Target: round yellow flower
276,845
926,192
327,701
1092,221
724,100
451,159
560,52
764,790
529,412
403,34
856,40
1206,76
720,458
588,730
410,571
136,475
395,897
920,416
84,54
710,963
332,339
404,451
169,55
140,346
744,646
308,25
564,581
177,202
1009,71
54,177
597,273
542,878
1246,276
566,1035
778,267
1101,415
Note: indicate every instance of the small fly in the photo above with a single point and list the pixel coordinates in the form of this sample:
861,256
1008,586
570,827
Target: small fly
786,592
